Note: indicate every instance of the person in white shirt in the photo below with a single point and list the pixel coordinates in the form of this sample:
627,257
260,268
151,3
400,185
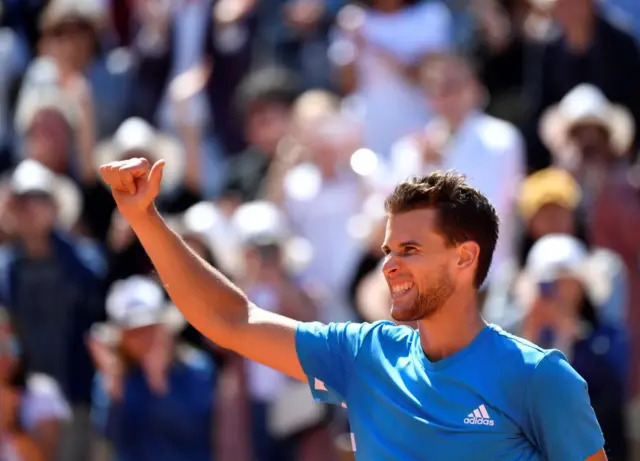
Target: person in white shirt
489,151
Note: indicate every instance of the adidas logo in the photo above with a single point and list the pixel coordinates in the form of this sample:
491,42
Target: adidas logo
479,416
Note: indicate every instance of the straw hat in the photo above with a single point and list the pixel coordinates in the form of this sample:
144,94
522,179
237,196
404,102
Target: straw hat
31,176
136,137
586,104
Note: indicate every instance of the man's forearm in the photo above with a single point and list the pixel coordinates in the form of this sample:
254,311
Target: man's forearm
207,298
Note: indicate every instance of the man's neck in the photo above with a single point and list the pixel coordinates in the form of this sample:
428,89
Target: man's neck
452,328
580,35
37,247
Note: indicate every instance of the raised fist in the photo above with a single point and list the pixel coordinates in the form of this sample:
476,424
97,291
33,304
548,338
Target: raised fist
134,184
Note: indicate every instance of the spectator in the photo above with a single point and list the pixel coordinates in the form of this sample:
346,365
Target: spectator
592,136
32,406
321,195
270,282
264,102
51,284
46,120
461,137
562,316
548,204
587,48
377,52
154,398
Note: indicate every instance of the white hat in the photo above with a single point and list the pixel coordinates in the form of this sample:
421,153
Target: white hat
41,91
139,301
32,176
260,221
586,104
136,134
57,12
263,223
558,255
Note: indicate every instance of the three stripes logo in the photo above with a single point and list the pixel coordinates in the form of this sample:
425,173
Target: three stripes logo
479,416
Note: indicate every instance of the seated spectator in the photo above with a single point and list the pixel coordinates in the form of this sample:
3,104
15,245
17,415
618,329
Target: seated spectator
154,397
562,316
32,406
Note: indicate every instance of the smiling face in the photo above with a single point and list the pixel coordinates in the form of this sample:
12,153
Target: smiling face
420,268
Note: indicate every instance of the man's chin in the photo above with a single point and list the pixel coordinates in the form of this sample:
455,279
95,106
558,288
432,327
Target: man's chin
404,315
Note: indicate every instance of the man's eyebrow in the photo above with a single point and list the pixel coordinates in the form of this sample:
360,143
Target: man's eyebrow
409,243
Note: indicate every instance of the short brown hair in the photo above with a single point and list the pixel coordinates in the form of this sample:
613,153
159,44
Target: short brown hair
464,213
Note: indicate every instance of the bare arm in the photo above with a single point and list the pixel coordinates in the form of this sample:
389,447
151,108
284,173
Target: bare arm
214,305
208,300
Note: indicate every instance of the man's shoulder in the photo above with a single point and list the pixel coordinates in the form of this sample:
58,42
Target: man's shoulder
515,352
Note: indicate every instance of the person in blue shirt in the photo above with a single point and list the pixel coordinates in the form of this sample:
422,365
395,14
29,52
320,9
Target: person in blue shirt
453,389
154,395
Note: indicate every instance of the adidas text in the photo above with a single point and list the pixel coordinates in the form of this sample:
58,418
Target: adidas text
482,421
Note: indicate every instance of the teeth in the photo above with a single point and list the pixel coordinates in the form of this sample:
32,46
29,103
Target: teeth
401,288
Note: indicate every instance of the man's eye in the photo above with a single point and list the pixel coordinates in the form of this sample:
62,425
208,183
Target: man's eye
409,250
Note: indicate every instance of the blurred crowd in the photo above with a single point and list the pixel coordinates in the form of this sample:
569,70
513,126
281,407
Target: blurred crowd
284,123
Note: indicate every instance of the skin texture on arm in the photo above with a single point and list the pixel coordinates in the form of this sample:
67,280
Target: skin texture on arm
208,300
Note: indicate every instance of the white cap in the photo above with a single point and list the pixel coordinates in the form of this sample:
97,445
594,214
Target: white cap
139,301
260,221
557,255
32,176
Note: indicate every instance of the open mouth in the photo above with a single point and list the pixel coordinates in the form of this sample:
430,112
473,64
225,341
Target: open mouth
401,289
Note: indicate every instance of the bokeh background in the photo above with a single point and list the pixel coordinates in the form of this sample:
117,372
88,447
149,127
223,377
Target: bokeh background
284,123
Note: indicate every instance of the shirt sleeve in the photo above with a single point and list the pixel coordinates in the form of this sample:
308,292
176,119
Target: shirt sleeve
327,354
561,421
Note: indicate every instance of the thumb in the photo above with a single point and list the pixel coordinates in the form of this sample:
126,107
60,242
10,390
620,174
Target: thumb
155,177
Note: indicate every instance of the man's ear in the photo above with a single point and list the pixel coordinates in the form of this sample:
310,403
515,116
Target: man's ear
468,254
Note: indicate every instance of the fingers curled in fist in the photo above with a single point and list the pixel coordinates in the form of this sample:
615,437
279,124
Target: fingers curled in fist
122,175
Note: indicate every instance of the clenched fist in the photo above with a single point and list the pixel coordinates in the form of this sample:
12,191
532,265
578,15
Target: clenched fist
134,185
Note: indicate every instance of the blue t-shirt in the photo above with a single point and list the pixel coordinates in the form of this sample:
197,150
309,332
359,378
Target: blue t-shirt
173,427
500,398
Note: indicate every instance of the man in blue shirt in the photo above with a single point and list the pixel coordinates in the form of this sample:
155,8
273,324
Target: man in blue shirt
455,389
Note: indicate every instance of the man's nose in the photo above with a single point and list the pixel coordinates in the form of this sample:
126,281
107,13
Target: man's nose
390,266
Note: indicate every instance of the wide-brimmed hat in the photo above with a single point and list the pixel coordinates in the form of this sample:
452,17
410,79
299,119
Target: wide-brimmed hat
31,177
59,12
139,301
586,104
136,135
41,91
